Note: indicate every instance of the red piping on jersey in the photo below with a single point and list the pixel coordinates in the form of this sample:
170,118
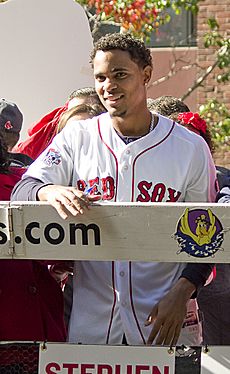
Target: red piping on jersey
115,158
113,264
147,149
130,278
114,303
132,304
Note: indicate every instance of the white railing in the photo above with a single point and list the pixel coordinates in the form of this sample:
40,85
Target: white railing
129,231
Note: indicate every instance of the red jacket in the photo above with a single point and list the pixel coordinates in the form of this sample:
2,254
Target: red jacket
41,134
8,181
31,301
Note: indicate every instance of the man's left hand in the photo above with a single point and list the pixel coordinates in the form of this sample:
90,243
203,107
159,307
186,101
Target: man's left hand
169,314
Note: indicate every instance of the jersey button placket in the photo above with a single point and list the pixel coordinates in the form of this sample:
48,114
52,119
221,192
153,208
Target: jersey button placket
124,188
122,274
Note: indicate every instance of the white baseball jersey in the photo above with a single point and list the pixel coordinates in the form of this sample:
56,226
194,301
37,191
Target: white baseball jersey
169,164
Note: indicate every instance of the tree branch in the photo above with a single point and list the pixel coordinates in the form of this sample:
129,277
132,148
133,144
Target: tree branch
200,80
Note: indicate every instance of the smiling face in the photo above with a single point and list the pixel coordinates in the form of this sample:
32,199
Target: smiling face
120,83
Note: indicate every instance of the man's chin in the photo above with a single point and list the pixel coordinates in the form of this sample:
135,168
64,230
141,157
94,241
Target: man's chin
116,113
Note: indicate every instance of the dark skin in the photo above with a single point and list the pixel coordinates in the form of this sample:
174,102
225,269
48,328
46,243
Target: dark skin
121,85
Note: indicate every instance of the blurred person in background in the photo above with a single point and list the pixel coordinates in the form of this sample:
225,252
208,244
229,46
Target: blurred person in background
31,302
214,298
11,120
42,132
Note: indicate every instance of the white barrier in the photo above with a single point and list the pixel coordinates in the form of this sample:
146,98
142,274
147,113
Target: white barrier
96,359
138,232
129,231
5,231
215,360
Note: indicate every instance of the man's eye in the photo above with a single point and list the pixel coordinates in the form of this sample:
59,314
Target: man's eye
100,78
121,75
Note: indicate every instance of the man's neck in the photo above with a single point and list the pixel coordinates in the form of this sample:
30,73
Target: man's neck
133,126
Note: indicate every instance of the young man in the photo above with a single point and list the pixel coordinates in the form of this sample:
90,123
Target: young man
124,153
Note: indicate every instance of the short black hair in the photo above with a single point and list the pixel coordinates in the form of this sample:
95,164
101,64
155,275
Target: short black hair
139,53
167,106
170,106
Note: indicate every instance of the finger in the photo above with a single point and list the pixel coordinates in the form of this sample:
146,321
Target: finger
59,208
166,335
155,331
63,206
81,200
72,203
75,208
149,320
152,316
65,195
93,198
79,194
176,336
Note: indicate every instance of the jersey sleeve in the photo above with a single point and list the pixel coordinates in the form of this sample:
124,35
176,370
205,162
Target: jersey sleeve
55,164
202,180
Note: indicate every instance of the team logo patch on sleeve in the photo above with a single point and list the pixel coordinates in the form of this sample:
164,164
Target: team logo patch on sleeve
52,157
199,233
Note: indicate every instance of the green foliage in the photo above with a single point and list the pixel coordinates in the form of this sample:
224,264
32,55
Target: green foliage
213,38
217,116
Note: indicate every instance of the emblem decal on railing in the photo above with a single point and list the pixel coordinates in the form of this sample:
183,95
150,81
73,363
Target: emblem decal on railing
199,233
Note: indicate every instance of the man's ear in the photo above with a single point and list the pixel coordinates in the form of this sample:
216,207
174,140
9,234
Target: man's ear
147,74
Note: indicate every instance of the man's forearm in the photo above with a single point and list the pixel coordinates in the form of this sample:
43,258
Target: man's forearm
26,189
197,274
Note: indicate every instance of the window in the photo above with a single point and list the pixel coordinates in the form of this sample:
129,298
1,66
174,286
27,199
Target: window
179,32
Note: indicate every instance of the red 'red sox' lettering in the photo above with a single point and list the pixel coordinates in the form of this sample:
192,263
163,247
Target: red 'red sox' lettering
104,186
148,192
108,188
156,193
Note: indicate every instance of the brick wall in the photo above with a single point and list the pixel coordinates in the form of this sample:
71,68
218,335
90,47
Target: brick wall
220,9
222,158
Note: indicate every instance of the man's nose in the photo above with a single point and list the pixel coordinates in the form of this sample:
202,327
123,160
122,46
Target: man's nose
109,85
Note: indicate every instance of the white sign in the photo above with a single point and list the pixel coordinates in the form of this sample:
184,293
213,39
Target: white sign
129,231
46,46
5,237
97,359
216,360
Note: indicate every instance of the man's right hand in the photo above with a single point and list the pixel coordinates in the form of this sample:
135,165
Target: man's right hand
66,200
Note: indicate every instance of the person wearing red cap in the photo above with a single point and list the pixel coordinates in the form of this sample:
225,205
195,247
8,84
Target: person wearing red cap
11,119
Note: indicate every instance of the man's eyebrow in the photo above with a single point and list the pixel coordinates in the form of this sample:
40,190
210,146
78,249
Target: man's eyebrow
114,70
122,68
